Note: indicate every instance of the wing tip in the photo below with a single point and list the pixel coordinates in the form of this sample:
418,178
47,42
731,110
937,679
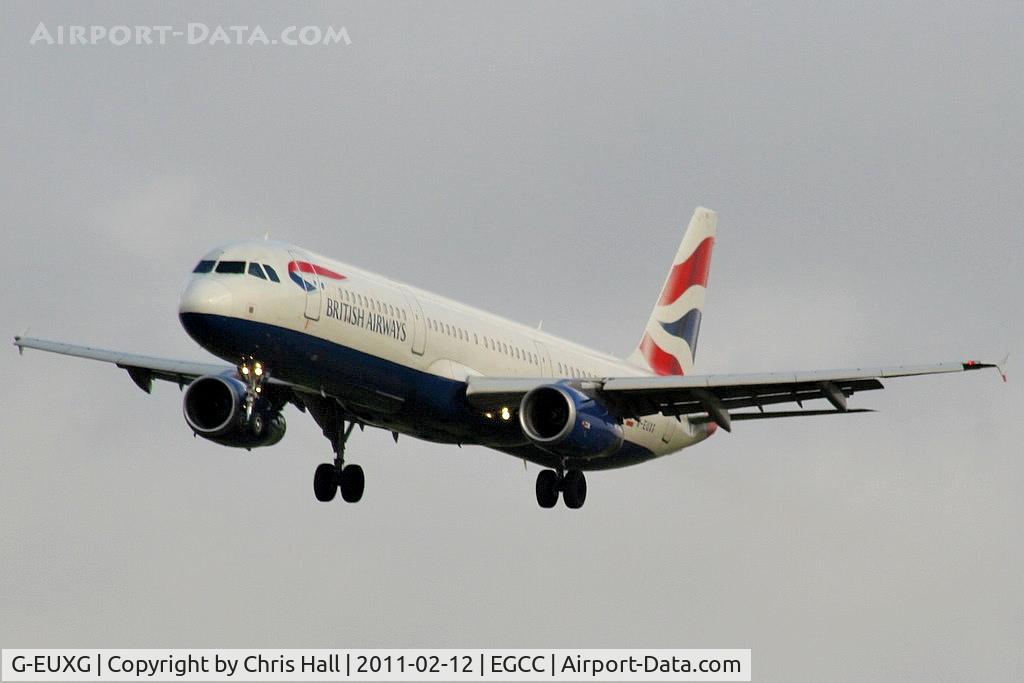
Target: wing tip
980,365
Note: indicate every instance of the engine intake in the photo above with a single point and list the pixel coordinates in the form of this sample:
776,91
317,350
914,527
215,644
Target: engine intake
567,422
214,408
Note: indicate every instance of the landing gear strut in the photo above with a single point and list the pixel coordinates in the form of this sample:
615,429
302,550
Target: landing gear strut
571,484
329,477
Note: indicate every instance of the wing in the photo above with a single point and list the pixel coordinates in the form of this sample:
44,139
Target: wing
142,369
713,397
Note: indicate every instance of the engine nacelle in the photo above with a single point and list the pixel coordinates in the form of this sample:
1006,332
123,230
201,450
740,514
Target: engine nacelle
567,422
214,407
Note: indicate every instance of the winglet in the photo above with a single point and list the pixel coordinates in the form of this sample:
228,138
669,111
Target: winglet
17,341
978,365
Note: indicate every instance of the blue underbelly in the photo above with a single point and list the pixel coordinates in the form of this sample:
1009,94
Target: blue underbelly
388,394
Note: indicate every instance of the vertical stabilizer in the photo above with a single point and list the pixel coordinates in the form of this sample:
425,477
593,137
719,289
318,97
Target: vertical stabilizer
669,342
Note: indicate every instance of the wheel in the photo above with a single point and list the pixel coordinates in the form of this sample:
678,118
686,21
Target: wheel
325,484
547,488
258,425
352,483
574,489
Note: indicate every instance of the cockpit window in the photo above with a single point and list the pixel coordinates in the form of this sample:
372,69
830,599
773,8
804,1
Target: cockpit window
204,267
270,273
231,267
254,269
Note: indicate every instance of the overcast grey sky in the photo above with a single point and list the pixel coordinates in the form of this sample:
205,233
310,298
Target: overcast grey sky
541,161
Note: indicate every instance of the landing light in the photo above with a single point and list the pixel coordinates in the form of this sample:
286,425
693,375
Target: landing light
505,414
245,369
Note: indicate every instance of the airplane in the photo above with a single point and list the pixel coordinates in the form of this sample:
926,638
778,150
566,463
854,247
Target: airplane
353,348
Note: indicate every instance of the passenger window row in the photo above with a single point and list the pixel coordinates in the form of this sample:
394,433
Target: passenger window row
490,343
498,346
373,304
572,371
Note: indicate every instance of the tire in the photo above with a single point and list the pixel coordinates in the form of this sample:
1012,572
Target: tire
352,483
258,425
547,488
574,489
325,484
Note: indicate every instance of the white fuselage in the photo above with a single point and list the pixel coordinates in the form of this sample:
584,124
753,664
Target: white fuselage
412,329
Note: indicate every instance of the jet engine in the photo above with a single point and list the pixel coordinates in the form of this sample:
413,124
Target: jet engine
566,422
215,409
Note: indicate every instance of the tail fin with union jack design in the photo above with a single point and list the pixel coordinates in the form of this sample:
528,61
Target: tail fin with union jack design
669,342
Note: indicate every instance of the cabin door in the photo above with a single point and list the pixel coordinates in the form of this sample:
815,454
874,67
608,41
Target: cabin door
545,359
302,273
419,325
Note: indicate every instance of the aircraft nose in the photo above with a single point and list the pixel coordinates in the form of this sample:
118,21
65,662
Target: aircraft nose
205,295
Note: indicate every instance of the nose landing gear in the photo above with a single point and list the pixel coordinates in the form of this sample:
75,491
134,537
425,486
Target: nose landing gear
254,375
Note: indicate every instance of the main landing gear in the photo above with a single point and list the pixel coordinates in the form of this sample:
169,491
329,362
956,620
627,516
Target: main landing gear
330,477
572,485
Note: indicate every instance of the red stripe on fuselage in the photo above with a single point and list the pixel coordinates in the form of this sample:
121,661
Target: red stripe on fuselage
692,271
660,360
307,267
